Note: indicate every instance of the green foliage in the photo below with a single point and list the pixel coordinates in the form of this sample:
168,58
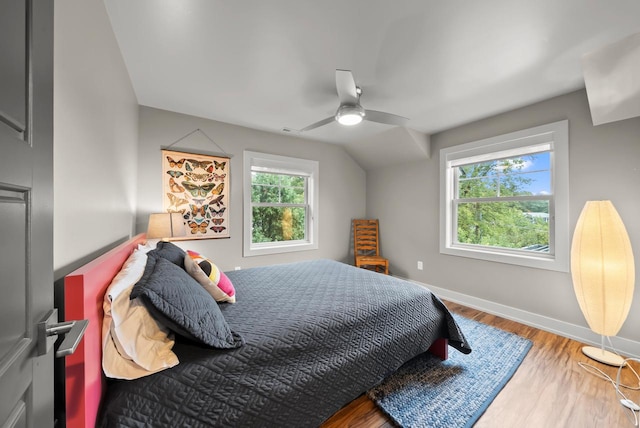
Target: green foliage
500,224
505,224
275,224
273,220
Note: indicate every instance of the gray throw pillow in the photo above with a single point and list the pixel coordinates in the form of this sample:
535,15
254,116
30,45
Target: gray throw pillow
169,251
180,303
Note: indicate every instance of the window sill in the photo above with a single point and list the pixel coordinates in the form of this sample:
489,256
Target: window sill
278,247
541,261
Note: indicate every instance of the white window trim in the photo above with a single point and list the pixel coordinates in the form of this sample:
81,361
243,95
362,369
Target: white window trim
557,134
288,165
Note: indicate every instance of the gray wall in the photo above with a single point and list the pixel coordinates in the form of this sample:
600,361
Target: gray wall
97,144
342,182
95,113
604,164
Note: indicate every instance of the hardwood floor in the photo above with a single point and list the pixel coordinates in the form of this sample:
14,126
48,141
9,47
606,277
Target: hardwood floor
548,390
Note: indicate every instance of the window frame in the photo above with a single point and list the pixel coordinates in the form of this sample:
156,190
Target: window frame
269,163
556,137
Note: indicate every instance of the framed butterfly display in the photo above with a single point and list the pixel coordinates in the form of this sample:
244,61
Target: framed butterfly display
197,186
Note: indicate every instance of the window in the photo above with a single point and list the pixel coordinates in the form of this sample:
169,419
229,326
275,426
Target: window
280,204
505,198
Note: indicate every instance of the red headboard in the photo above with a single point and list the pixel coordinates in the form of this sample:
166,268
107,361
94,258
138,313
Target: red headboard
83,295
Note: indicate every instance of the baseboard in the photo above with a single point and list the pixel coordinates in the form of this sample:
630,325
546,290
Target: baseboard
581,334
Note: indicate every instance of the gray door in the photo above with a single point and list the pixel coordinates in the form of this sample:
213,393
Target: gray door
26,209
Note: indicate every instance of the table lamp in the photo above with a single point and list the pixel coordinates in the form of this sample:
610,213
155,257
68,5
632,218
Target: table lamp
165,226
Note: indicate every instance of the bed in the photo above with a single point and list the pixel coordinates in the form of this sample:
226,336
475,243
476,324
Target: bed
315,336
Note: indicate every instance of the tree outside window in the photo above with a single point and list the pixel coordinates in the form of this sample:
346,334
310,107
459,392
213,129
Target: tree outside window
279,207
505,203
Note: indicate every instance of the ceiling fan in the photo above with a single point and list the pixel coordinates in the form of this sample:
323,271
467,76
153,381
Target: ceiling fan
350,112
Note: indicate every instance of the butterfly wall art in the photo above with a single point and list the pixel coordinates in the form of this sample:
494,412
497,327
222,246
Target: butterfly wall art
197,186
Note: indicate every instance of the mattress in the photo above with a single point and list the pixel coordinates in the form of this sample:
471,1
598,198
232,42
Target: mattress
317,335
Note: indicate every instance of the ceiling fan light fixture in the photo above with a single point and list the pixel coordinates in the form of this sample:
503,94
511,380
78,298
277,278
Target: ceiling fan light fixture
350,115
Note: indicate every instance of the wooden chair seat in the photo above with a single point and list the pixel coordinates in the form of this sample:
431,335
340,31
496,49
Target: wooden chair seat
366,248
377,263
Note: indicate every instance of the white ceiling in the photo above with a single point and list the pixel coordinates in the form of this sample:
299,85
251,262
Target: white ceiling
270,64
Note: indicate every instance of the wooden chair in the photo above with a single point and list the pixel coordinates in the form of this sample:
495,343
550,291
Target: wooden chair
366,248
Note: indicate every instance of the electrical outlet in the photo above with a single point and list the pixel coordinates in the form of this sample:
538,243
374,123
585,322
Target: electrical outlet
237,268
419,265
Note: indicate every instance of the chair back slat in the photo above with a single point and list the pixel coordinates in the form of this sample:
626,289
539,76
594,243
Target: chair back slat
365,234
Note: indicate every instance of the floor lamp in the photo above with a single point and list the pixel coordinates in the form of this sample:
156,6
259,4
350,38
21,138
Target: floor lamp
603,273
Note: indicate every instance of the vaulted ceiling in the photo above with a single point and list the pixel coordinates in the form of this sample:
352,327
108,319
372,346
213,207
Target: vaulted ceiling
271,64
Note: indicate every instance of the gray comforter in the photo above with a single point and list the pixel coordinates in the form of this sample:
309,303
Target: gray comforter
318,334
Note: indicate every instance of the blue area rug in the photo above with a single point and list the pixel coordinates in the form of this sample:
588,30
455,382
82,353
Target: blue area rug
430,393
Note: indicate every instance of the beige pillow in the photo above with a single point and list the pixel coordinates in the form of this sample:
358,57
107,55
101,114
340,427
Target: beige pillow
117,366
134,344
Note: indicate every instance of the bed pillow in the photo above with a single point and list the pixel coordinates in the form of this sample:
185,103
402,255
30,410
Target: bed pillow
116,366
133,343
169,251
210,277
138,346
177,301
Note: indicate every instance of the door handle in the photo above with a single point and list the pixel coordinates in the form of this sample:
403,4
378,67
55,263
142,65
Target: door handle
49,328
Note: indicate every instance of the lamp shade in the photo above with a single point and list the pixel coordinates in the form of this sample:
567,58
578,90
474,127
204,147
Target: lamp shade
165,225
602,267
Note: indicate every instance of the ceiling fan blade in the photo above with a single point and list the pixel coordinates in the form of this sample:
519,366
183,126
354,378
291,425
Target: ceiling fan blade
386,118
346,87
318,124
